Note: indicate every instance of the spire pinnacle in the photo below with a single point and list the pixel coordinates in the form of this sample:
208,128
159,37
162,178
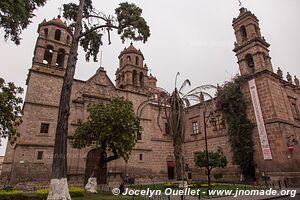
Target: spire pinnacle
240,3
60,10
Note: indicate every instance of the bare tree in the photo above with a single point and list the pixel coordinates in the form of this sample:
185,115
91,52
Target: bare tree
173,107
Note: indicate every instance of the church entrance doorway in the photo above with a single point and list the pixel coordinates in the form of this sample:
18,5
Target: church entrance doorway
92,162
170,169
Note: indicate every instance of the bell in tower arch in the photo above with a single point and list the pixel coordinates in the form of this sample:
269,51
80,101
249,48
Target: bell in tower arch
250,47
53,44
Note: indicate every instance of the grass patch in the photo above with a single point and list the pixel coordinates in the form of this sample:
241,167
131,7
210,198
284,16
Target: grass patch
104,196
101,195
150,186
202,187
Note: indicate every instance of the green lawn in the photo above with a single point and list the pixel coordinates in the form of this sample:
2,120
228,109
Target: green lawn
109,196
150,186
202,189
104,196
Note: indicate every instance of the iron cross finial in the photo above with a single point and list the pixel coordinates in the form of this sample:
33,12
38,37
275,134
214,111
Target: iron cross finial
240,3
60,10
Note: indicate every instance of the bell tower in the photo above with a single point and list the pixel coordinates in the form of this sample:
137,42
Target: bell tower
250,47
132,73
52,47
40,108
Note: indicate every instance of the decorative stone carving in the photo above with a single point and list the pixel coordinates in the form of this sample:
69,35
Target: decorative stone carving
91,185
289,78
279,72
296,81
219,88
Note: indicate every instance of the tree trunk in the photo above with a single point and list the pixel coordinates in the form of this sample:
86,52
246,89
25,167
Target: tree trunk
58,185
58,189
102,163
176,124
176,120
177,145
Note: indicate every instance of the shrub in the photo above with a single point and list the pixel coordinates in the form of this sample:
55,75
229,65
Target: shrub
74,192
206,185
42,193
11,194
193,185
171,185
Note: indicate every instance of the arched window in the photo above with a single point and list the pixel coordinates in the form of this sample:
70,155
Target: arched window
68,39
57,35
257,31
139,136
134,78
48,55
123,76
46,32
250,62
60,58
141,79
136,60
128,59
266,59
243,32
121,62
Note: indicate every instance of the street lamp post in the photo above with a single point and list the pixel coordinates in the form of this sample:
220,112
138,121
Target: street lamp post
206,148
211,119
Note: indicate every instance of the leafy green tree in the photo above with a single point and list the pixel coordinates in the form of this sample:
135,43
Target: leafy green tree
110,127
10,110
88,26
16,15
215,159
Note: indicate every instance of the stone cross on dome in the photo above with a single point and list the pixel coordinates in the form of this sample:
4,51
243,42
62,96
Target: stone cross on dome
240,3
60,10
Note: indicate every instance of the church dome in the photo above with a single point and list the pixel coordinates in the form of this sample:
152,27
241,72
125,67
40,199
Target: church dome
57,22
131,50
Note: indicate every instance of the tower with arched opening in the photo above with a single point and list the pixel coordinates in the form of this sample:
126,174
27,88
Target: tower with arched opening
40,108
52,47
250,47
271,103
132,74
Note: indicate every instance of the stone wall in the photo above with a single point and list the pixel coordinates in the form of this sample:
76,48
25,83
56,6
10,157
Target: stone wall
275,95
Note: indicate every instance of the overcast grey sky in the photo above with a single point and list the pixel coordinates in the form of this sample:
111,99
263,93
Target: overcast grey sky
193,37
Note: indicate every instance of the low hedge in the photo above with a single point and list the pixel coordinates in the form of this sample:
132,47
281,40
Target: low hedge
171,185
206,185
202,184
12,195
176,185
74,192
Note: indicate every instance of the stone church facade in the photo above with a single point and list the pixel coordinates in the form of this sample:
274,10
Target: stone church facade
28,162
